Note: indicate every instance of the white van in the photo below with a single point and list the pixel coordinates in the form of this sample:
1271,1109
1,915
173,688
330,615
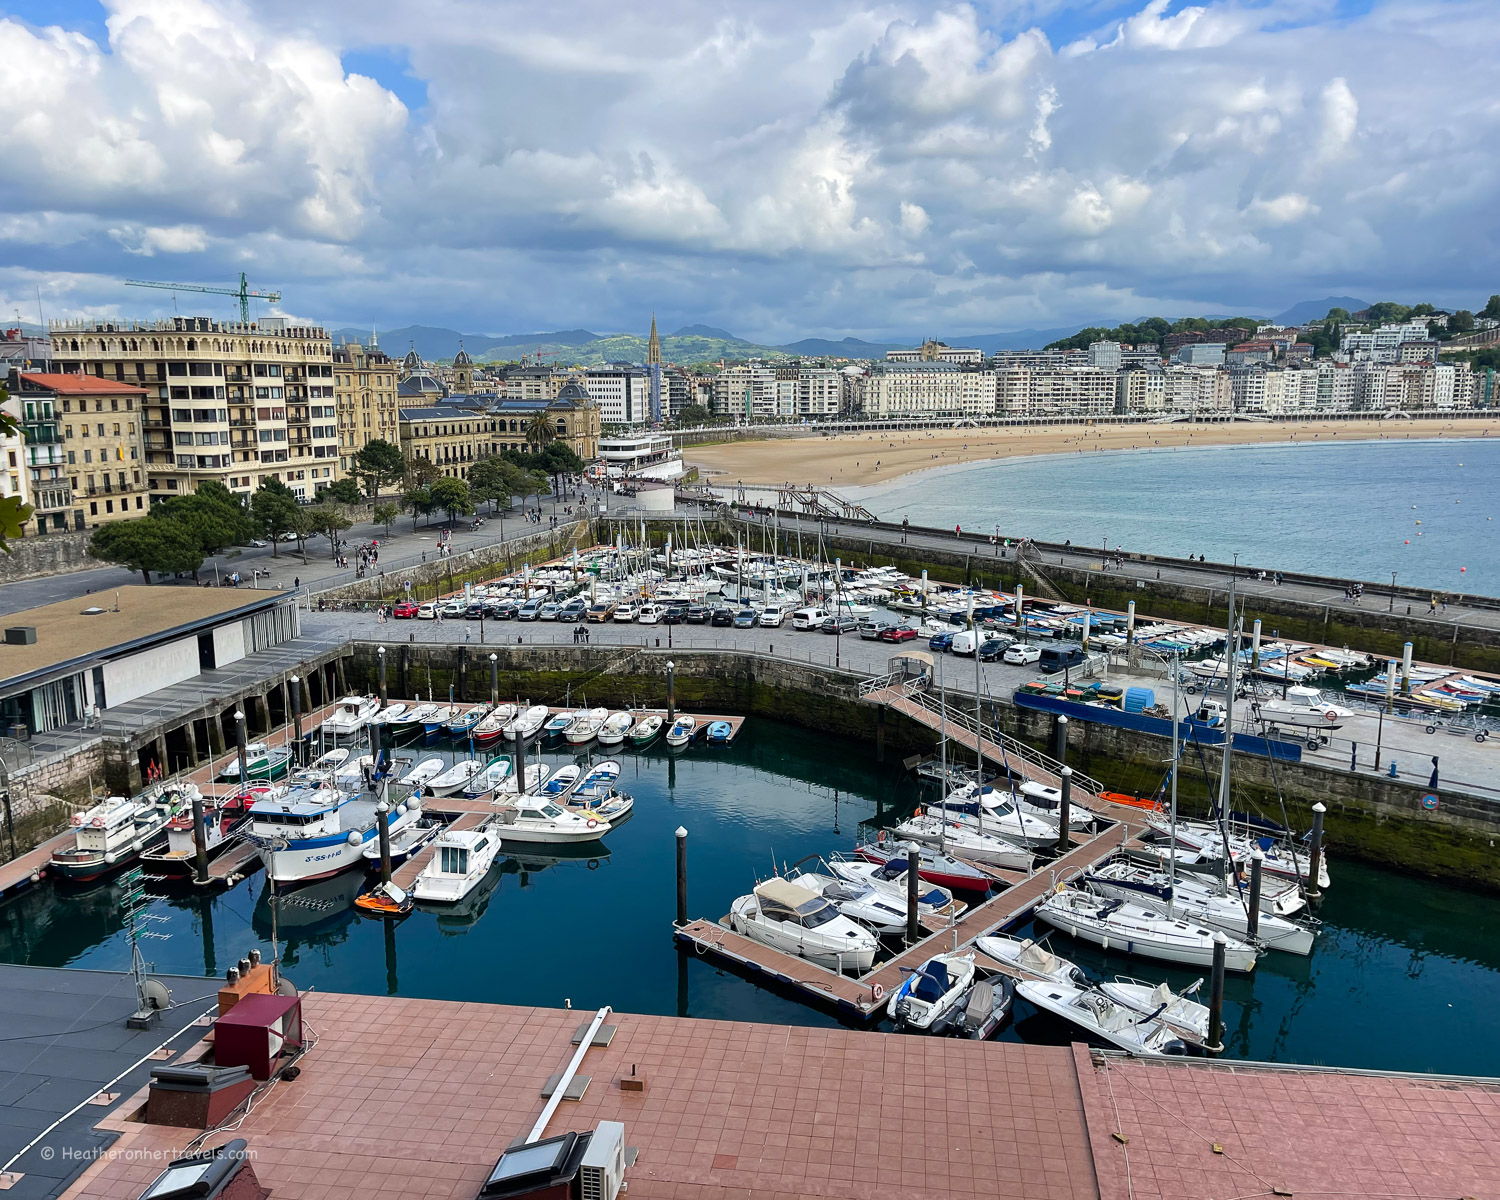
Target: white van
809,618
964,642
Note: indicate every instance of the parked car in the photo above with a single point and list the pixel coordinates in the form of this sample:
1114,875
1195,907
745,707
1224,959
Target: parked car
898,633
625,611
574,610
454,608
872,627
475,611
258,543
428,612
1021,655
601,610
505,610
991,649
650,614
529,611
548,611
746,618
404,611
940,641
722,617
772,618
840,624
674,614
1055,660
809,618
698,614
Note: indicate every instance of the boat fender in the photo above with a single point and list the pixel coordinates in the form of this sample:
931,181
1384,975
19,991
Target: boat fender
593,864
918,813
1331,715
878,992
592,824
354,839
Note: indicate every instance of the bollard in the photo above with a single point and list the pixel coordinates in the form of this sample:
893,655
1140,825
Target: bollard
380,655
520,765
200,838
1215,1043
1130,624
296,719
913,892
1252,914
1064,810
383,828
239,745
1315,855
1060,739
375,746
671,692
1393,768
494,679
682,917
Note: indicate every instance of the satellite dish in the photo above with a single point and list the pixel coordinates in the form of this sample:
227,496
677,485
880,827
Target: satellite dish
155,994
285,987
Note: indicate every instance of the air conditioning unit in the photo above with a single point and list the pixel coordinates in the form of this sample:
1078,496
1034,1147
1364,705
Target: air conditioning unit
601,1174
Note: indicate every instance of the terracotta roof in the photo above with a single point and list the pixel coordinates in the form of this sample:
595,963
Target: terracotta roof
81,384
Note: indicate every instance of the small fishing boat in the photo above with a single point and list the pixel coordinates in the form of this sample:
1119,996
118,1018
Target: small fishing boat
261,762
180,854
952,835
1096,1014
455,778
615,727
350,717
1131,928
323,768
492,725
613,807
317,833
413,720
682,731
526,722
889,879
384,900
600,780
789,918
536,776
404,844
463,858
720,733
350,777
533,819
1148,803
983,1011
436,721
560,724
463,723
489,777
1186,1018
934,866
586,726
561,781
390,714
646,730
422,774
931,994
1031,959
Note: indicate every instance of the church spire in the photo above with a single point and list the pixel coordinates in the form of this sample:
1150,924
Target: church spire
653,346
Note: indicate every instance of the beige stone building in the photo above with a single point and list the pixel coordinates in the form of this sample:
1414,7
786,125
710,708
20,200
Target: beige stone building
364,390
225,401
99,422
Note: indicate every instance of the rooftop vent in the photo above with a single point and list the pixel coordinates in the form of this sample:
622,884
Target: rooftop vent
94,610
21,635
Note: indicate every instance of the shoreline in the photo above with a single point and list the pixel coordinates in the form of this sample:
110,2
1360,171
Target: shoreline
866,461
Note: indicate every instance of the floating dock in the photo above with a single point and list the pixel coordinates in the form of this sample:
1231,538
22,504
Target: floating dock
29,868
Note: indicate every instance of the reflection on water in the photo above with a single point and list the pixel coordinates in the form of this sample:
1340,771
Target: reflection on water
593,924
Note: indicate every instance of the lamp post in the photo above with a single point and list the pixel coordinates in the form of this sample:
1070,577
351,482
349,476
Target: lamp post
1391,607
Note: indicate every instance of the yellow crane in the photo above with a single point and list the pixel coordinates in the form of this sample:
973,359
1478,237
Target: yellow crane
243,292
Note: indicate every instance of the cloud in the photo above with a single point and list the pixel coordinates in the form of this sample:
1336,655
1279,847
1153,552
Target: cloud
779,169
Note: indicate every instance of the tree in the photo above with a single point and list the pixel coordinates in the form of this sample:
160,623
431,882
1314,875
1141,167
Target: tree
557,459
1461,322
419,472
451,495
274,508
146,544
1492,309
304,525
330,520
13,514
540,431
344,491
217,517
379,463
1388,311
490,481
1337,314
693,414
419,500
386,514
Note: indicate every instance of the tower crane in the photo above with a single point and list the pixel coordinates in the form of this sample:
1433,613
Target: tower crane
243,292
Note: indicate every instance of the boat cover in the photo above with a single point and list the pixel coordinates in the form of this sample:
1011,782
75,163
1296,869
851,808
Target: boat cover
931,981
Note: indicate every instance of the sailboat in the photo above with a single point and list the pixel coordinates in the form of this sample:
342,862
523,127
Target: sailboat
1132,928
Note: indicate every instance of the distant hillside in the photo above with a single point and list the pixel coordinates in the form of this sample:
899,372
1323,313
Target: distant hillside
1316,310
847,348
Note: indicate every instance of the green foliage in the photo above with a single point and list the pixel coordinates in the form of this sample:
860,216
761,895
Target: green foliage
379,463
451,495
694,414
419,501
215,516
1338,314
274,510
419,473
1151,330
155,543
1387,312
492,481
1461,322
1492,309
386,514
13,514
330,520
540,431
344,491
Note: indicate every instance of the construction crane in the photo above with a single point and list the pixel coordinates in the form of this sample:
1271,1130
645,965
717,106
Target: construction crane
243,292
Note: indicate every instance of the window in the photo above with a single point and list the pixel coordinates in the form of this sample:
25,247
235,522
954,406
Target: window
101,430
67,432
88,456
94,512
176,368
109,506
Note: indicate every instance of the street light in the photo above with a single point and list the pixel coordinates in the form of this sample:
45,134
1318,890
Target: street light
1392,606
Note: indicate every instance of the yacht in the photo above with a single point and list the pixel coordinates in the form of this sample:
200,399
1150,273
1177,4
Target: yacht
114,832
350,717
934,866
889,879
788,918
986,848
315,833
1303,708
1132,928
858,901
529,819
463,858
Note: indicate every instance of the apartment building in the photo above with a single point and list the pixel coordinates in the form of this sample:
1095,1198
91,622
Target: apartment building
820,392
451,438
744,390
364,392
1139,390
101,443
1072,391
906,388
621,391
1195,389
933,351
36,461
225,401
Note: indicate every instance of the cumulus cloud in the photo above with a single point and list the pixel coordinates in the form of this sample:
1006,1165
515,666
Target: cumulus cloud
779,168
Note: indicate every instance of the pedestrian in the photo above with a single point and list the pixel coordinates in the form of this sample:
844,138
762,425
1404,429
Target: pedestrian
297,584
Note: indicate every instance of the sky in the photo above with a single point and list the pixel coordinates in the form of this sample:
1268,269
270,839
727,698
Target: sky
777,168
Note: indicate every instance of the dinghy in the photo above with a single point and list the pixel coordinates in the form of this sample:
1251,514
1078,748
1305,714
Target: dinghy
932,993
681,732
455,778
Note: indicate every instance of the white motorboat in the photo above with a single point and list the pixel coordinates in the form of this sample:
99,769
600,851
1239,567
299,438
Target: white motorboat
615,727
390,714
889,879
1303,708
461,860
323,768
406,843
1095,1013
1043,800
536,775
682,731
316,833
858,901
789,918
493,725
455,778
561,781
1030,959
1196,899
586,726
931,995
532,819
491,776
1186,1018
965,842
1006,821
600,779
421,774
413,720
350,717
1132,928
526,722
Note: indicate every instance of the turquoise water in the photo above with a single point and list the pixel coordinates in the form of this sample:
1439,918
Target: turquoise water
1403,977
1348,509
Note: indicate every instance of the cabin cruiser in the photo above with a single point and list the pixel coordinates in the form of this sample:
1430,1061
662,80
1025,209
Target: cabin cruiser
115,831
534,819
889,879
858,901
984,848
350,717
1030,958
314,833
1095,1013
791,919
461,860
1303,708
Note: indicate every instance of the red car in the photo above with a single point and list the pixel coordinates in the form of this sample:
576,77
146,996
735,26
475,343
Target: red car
405,609
897,633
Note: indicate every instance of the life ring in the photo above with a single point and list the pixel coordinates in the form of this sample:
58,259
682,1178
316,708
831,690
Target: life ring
880,837
97,822
78,820
593,864
878,992
593,824
918,813
1331,715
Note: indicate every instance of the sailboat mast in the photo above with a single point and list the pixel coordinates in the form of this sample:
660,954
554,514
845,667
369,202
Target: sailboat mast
1232,658
978,723
1172,841
943,755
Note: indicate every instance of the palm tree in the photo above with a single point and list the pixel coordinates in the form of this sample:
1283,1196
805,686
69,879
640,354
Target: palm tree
540,431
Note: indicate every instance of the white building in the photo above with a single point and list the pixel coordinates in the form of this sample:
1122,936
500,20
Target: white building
622,393
1140,391
1104,355
640,455
1075,391
904,388
744,391
937,352
1196,389
820,392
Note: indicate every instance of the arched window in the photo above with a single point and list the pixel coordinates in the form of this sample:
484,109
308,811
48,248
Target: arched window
192,343
74,346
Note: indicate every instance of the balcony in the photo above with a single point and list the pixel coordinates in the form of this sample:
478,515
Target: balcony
154,423
244,423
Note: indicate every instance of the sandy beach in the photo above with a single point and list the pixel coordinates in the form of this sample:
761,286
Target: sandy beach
858,460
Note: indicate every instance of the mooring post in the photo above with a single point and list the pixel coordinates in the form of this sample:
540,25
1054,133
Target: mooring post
1215,1044
913,891
239,745
383,828
520,764
1315,854
1065,810
380,656
200,838
682,917
1252,913
671,692
297,720
1130,624
1060,739
494,679
375,747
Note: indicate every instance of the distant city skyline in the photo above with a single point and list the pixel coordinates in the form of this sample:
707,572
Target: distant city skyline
781,171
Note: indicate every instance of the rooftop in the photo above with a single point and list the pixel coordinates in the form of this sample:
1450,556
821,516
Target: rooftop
79,384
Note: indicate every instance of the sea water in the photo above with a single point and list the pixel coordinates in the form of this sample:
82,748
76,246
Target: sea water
1425,509
1403,975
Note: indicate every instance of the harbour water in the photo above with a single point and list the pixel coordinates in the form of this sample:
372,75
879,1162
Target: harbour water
1401,977
1358,510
